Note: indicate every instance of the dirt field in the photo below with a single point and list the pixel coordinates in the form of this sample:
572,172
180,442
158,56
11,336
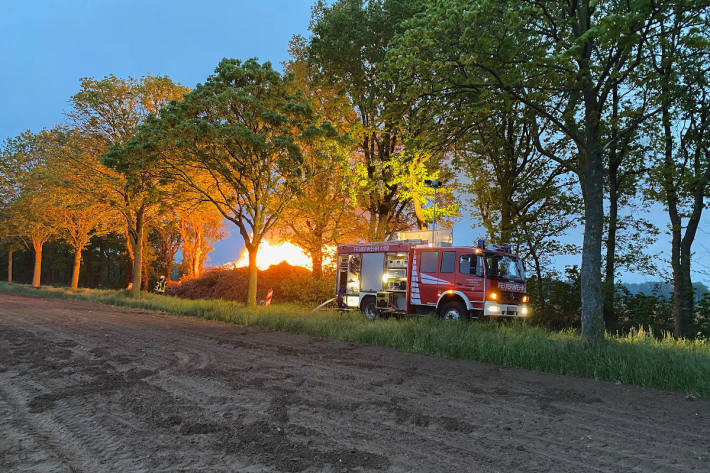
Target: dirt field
87,387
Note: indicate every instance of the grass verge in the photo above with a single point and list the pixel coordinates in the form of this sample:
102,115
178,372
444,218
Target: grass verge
639,359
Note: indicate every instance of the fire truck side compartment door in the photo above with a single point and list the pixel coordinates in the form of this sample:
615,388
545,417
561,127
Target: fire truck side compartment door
429,276
372,268
469,277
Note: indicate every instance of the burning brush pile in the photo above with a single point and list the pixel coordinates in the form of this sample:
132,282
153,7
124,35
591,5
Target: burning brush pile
289,283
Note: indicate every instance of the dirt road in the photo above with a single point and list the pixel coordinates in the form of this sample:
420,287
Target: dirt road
87,387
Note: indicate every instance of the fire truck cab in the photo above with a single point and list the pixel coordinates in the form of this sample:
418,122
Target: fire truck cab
412,277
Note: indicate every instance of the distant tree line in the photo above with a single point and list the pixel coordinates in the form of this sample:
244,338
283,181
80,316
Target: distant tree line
549,115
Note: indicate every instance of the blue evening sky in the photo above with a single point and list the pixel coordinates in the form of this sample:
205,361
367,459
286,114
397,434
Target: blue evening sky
47,46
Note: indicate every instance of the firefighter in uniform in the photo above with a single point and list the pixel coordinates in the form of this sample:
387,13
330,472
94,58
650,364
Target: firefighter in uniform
160,285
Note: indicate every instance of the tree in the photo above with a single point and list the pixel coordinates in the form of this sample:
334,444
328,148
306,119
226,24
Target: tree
78,215
7,193
562,60
106,113
241,130
79,220
680,67
325,212
510,181
10,244
27,202
625,235
166,239
347,52
200,227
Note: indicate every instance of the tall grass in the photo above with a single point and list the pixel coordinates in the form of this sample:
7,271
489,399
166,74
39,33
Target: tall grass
640,359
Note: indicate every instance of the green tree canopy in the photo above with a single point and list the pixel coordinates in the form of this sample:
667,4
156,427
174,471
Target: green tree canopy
235,141
105,113
561,60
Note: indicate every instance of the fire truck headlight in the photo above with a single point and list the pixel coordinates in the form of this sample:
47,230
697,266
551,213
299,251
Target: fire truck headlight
524,310
385,277
494,308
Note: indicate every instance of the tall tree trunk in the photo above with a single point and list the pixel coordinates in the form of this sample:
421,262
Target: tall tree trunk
195,262
9,265
75,271
540,289
372,227
144,273
36,276
317,262
592,182
682,295
137,243
610,265
251,292
681,282
419,212
197,253
381,229
506,223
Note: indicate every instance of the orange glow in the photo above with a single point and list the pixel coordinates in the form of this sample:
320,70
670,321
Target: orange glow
478,251
493,296
526,298
270,254
450,291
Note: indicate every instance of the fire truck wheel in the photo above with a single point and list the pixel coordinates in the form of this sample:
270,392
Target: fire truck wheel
453,310
369,308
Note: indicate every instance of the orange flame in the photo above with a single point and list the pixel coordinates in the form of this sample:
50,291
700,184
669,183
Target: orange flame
274,253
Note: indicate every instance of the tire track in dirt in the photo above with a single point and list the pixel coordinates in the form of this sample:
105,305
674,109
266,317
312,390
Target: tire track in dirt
194,394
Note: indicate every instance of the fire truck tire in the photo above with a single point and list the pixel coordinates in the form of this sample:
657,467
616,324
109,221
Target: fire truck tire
369,308
453,310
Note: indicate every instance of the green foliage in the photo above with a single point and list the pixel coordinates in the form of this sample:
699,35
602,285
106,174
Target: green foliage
641,359
650,312
560,60
239,131
556,303
235,142
307,290
104,116
322,215
348,52
27,198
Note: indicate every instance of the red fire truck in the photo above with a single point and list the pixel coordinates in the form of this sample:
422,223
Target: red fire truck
410,277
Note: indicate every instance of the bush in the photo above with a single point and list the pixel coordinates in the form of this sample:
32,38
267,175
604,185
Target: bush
307,290
289,283
560,306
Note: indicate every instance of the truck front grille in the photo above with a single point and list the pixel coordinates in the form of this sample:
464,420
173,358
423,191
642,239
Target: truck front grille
512,297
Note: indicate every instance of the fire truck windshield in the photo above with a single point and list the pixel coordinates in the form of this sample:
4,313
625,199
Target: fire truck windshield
504,267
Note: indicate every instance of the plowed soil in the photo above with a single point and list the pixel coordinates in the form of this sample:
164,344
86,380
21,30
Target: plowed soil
88,387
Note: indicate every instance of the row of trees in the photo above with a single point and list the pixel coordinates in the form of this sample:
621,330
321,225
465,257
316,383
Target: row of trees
612,94
55,185
527,103
268,152
532,102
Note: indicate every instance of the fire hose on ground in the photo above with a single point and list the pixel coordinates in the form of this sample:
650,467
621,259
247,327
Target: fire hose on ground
323,304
